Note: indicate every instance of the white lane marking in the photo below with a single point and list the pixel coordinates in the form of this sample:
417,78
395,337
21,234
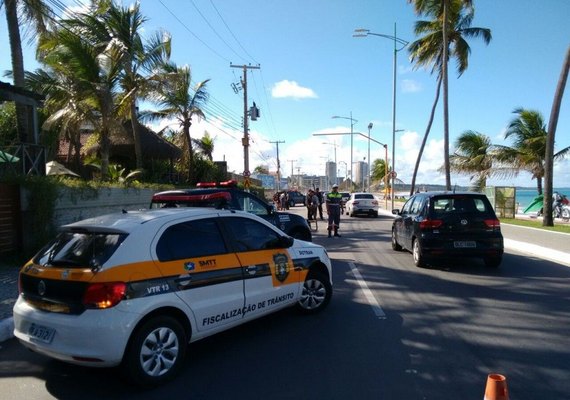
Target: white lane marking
538,251
367,293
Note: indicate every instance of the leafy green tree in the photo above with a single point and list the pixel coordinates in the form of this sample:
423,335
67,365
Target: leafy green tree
8,130
442,41
177,99
474,156
261,169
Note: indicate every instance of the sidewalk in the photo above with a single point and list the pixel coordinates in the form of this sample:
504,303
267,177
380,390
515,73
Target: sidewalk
8,296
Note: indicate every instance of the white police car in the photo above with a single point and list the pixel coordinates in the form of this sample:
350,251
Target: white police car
135,288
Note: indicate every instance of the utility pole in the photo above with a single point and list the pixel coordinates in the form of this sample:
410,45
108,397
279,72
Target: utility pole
245,140
292,161
278,164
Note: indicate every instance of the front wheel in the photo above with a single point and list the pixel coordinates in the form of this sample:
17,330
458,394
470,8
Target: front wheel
316,293
419,259
155,352
395,245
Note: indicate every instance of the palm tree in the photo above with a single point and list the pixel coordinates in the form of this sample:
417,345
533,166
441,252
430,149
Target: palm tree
205,145
443,41
473,155
528,152
138,58
174,98
552,123
74,50
35,12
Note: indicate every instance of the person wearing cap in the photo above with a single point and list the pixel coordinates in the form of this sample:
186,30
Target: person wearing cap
333,201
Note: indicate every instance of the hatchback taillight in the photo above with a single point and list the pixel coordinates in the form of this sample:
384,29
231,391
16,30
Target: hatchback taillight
104,295
431,223
494,224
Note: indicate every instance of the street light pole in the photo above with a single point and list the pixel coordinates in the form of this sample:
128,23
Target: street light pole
403,43
369,129
352,122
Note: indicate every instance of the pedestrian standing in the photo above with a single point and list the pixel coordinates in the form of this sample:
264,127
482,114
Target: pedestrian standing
312,205
333,201
320,206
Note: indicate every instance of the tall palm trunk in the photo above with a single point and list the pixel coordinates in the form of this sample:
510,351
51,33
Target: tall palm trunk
186,128
428,129
549,156
136,134
445,95
17,67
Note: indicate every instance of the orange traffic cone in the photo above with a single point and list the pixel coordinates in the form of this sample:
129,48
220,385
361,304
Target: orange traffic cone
496,388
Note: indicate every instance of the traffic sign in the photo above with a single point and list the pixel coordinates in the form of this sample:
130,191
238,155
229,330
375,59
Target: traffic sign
394,174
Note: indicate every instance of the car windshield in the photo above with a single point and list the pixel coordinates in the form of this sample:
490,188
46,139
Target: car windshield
73,249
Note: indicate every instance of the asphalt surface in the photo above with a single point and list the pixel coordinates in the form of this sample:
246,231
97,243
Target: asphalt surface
547,245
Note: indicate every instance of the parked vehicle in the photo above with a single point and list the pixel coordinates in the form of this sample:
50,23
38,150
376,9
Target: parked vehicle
295,197
362,203
135,288
448,224
227,195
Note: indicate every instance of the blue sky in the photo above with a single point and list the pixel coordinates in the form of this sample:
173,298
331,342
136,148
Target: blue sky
311,68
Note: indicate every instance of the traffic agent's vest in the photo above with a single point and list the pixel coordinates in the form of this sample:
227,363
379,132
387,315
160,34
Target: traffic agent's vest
334,198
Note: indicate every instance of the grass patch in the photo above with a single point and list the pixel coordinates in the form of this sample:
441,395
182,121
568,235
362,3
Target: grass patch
565,228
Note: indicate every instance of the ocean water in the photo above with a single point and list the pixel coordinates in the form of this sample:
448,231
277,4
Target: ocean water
525,196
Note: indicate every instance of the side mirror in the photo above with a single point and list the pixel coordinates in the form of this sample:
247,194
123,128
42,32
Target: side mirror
396,211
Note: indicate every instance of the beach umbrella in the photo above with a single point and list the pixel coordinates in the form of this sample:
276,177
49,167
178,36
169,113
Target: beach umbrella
6,157
55,168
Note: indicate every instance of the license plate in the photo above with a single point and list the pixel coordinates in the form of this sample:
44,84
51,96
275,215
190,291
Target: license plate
464,244
41,333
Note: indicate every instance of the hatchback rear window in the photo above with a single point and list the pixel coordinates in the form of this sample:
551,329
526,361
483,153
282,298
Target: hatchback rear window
79,249
461,204
364,196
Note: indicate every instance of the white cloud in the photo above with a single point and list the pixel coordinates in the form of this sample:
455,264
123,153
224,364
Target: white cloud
410,86
292,89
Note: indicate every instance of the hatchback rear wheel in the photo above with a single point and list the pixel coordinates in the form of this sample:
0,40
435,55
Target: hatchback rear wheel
493,262
156,352
419,259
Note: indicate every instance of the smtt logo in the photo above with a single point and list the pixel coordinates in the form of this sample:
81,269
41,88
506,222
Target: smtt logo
281,267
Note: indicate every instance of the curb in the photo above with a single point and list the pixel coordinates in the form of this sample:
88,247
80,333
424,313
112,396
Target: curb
6,329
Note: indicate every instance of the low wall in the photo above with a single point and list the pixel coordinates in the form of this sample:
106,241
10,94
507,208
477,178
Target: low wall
72,206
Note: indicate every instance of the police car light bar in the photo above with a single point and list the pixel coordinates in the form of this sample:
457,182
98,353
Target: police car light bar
164,198
230,183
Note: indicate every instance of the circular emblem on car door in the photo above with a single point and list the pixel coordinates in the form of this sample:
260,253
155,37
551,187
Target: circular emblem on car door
464,222
281,267
42,288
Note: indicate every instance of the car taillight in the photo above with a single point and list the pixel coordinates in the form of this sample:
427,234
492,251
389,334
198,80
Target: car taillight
104,295
494,224
355,202
430,223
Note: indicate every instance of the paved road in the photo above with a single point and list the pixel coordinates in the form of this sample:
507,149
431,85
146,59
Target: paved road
538,243
393,331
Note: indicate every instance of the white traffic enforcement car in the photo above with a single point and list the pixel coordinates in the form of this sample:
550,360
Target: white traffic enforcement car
134,289
362,203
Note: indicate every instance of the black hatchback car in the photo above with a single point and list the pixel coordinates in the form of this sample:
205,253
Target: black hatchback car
445,224
227,195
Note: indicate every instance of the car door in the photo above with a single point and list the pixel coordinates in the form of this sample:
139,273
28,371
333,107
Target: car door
401,223
270,279
412,219
197,263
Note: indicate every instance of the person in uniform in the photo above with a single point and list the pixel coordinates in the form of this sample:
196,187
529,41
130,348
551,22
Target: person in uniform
333,201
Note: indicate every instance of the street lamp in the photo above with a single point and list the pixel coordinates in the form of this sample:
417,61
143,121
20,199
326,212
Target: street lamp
352,122
403,43
335,146
370,125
